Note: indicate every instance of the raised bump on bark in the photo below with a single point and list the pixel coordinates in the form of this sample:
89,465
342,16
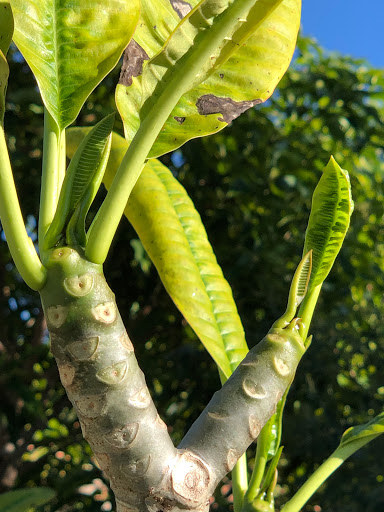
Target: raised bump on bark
62,253
137,468
56,315
281,366
232,458
161,423
190,479
113,374
83,350
252,363
253,389
276,338
78,286
141,398
126,342
105,313
67,374
216,416
122,437
254,427
91,406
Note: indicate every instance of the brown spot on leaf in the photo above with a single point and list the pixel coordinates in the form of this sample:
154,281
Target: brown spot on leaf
134,56
227,107
179,119
181,7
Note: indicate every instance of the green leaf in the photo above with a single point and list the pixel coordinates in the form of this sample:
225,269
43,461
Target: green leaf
244,65
359,433
71,46
297,291
328,223
82,180
172,233
6,26
22,499
4,74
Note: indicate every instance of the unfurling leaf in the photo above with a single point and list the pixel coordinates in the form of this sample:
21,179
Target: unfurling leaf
328,223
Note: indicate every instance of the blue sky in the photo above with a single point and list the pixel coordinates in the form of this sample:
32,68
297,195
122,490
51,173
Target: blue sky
352,27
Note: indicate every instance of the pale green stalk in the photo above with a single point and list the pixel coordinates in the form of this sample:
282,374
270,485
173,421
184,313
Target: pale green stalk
322,473
239,482
306,310
259,467
51,174
20,245
104,226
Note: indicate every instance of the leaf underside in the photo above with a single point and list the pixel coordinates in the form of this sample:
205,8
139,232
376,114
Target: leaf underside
173,235
243,73
71,46
373,428
328,223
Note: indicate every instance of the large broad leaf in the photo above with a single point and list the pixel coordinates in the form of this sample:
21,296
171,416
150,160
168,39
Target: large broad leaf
172,233
22,499
71,45
328,223
242,69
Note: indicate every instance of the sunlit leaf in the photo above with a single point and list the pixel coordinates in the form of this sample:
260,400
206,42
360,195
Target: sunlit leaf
328,223
22,499
172,233
71,46
243,69
372,429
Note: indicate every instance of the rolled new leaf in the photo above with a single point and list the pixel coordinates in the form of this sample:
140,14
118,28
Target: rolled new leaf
101,376
238,411
328,223
82,180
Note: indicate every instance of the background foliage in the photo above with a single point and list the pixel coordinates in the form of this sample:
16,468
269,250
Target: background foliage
252,184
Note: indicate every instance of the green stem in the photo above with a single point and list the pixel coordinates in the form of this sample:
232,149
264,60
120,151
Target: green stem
321,474
306,310
51,179
181,77
260,464
20,245
239,482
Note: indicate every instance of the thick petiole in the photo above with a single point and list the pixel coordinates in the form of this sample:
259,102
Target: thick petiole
20,245
52,174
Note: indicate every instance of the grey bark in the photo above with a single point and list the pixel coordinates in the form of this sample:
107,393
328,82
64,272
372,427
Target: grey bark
118,418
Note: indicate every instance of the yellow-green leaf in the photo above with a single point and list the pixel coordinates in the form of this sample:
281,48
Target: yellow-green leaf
328,223
172,233
71,46
242,70
372,429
